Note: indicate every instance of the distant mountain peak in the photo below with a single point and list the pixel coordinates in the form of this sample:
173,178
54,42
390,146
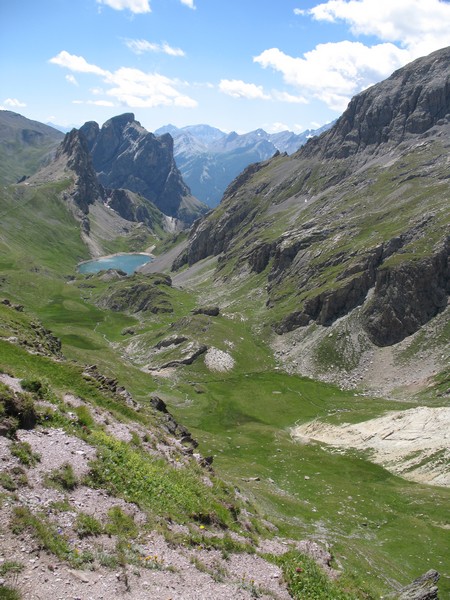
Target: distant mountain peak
210,159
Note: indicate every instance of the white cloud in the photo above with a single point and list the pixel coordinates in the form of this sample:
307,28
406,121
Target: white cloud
13,102
130,87
94,102
76,63
291,99
417,25
237,88
137,89
189,3
135,6
334,72
278,127
71,79
141,46
100,102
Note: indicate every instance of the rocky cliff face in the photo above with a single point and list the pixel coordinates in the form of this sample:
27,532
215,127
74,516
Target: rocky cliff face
410,102
362,210
133,207
407,296
75,151
127,156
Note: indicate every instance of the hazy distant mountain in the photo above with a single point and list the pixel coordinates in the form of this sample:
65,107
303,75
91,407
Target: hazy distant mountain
209,159
63,128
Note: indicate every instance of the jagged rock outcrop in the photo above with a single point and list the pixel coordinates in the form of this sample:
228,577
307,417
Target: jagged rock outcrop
132,207
146,294
407,296
422,588
127,156
75,150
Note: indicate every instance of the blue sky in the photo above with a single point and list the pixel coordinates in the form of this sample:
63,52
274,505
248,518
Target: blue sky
234,64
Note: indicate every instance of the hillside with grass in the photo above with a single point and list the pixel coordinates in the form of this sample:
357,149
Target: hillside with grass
25,145
195,430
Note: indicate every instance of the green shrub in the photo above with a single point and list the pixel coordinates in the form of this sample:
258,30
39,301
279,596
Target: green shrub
62,478
24,452
84,416
87,525
306,579
17,406
120,523
10,566
44,531
8,593
34,386
7,482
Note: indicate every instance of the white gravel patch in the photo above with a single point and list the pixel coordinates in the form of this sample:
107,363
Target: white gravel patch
400,441
218,360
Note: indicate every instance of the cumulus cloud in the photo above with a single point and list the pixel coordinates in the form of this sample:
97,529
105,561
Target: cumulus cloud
334,72
419,26
189,3
142,46
239,89
135,6
278,127
76,63
14,103
130,87
146,90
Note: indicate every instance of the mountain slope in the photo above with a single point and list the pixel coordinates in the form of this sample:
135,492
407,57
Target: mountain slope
362,208
24,145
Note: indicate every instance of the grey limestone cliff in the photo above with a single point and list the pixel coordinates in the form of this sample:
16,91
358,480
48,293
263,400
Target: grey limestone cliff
127,156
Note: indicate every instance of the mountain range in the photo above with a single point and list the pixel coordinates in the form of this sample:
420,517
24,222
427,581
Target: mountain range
210,159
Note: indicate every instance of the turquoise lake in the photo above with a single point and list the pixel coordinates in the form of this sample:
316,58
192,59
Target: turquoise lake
125,262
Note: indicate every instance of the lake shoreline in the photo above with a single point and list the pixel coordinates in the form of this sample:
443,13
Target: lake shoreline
103,262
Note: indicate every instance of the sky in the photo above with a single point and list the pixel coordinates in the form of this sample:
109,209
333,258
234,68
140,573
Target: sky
237,65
